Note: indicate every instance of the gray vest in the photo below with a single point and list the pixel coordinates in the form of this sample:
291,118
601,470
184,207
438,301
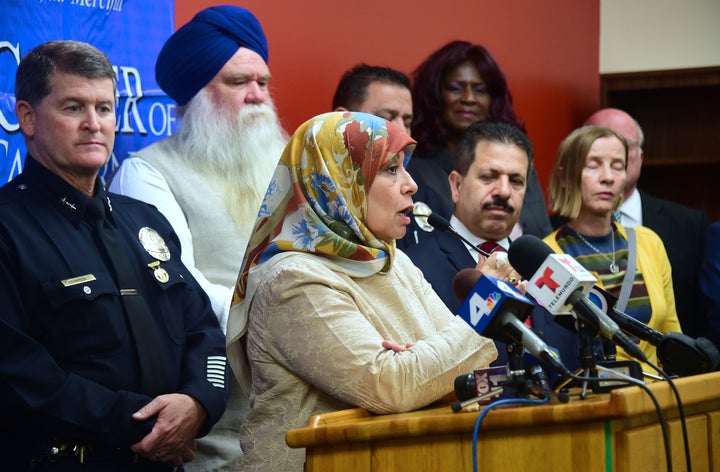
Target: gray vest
218,243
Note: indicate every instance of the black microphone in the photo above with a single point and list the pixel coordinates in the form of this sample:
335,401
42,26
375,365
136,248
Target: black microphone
682,355
489,382
627,323
497,310
678,353
442,224
479,384
558,281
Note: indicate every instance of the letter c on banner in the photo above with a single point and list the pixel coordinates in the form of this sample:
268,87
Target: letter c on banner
4,123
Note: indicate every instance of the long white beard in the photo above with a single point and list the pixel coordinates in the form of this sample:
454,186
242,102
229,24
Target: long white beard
238,152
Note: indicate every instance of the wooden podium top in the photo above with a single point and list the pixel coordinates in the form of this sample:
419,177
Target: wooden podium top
698,393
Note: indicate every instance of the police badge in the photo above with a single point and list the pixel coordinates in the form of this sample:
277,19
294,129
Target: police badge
154,244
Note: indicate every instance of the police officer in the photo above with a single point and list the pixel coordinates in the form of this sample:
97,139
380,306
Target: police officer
110,355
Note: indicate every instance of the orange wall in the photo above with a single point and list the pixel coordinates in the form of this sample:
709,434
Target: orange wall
548,50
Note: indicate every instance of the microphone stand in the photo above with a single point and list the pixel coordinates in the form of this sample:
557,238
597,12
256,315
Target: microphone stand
521,383
586,335
586,356
516,384
589,365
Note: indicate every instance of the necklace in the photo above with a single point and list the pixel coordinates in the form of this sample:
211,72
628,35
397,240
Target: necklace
613,266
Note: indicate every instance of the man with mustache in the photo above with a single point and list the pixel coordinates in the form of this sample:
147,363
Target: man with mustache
488,184
209,178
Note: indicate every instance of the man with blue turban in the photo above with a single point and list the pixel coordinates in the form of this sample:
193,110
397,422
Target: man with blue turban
209,178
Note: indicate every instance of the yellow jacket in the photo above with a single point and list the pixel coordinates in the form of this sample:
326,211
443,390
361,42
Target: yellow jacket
653,263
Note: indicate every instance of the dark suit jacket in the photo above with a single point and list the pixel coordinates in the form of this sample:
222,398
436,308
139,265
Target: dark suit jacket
682,230
710,282
443,255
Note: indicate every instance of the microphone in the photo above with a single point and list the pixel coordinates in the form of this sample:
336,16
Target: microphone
682,355
480,383
627,323
559,283
678,353
496,309
442,224
483,384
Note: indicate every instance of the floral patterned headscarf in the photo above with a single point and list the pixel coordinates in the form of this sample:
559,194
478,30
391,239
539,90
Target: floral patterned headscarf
317,199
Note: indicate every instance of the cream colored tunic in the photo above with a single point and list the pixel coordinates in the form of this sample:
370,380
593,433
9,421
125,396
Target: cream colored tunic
314,343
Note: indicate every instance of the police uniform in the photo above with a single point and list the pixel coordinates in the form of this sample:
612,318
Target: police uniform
69,372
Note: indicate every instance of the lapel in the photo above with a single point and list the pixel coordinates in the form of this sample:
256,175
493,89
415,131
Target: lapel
455,251
652,213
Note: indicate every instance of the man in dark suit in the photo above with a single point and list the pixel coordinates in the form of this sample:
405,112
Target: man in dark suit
488,186
710,282
681,228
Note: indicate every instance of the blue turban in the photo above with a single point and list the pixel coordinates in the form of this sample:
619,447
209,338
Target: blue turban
196,52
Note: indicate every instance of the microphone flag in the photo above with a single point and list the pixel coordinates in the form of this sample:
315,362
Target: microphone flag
487,298
559,276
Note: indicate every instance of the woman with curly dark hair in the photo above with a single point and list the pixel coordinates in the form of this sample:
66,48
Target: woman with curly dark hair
456,86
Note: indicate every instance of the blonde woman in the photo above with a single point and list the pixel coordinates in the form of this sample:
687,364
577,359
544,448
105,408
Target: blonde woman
586,186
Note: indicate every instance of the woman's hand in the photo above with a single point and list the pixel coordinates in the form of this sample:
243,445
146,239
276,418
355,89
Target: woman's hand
389,345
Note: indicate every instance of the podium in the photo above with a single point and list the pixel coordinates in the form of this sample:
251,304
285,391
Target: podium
616,431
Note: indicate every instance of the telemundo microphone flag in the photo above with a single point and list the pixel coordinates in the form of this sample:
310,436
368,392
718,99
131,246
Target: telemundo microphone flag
130,32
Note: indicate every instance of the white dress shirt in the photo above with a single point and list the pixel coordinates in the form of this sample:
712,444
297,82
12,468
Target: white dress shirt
631,211
462,230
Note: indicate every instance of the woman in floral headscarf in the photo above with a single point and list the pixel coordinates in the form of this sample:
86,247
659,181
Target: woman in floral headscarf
335,316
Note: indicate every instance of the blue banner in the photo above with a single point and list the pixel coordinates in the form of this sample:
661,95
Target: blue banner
130,32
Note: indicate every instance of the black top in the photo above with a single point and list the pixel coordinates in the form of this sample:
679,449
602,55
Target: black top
69,367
